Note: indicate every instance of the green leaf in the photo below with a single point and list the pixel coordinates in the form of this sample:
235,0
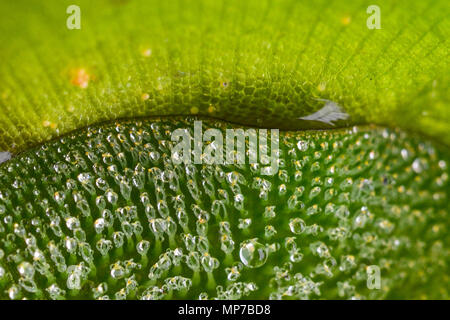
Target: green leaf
107,213
255,62
345,199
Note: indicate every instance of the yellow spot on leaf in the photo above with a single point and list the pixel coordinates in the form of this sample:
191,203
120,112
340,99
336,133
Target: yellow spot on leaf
147,52
80,78
346,20
322,86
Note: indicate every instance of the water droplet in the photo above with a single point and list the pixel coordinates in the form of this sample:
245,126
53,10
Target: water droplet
297,225
253,254
302,145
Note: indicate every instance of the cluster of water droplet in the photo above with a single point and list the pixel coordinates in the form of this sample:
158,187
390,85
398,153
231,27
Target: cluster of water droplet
105,214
